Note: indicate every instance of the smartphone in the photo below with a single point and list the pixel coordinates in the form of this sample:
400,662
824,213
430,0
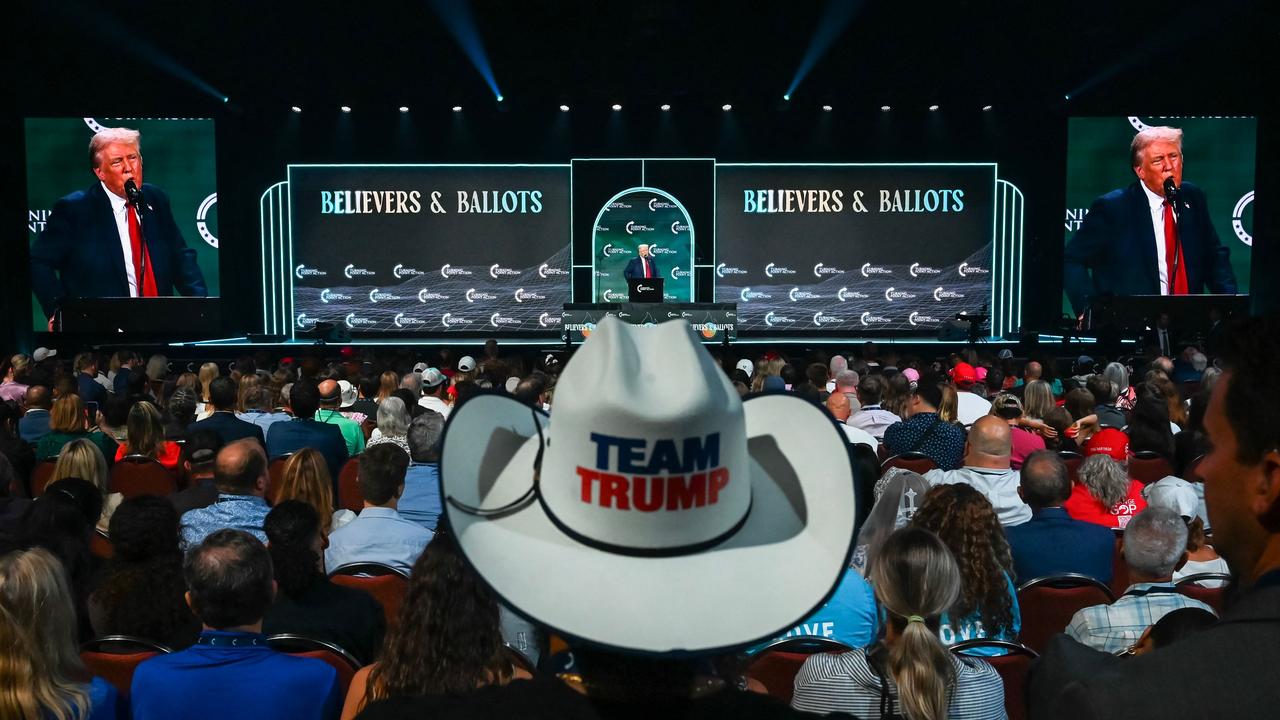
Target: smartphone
91,407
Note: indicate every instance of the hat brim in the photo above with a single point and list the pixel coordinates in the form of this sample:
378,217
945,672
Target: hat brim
783,563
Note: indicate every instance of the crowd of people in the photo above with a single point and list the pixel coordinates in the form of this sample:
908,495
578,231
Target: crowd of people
1029,475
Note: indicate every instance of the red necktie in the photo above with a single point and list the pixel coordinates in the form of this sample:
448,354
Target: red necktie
145,277
1173,254
646,267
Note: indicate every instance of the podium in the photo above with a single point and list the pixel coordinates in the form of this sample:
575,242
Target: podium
715,322
644,290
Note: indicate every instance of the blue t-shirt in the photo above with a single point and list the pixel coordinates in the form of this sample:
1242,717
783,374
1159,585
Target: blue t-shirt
849,617
104,700
420,502
970,627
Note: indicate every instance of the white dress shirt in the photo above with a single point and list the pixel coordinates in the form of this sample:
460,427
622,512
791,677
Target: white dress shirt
1156,204
120,211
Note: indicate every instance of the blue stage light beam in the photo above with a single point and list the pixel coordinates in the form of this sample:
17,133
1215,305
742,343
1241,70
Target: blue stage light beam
836,17
461,23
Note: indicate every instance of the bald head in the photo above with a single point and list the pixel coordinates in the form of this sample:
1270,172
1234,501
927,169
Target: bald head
241,468
988,444
1032,371
330,394
37,397
838,405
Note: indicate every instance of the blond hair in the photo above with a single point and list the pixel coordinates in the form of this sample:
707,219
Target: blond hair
306,477
38,653
144,431
108,136
1150,135
208,372
82,459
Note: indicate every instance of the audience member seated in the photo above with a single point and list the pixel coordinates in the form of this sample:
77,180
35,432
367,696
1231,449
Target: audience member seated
1155,543
208,372
257,409
969,405
231,669
988,605
986,468
1151,428
837,404
35,423
113,417
142,592
145,436
350,395
82,459
393,424
1104,402
1174,626
20,456
182,412
896,498
329,413
1052,543
1118,374
11,389
924,431
222,419
1177,495
240,475
1037,400
43,676
87,385
872,417
306,602
848,617
198,455
303,431
1103,493
305,477
379,534
367,402
908,673
435,388
1022,442
418,660
420,502
68,422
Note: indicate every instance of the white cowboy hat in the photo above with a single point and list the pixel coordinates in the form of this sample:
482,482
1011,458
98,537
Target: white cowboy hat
659,513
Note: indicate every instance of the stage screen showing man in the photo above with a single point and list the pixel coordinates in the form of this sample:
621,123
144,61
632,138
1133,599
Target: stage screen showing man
1157,206
120,208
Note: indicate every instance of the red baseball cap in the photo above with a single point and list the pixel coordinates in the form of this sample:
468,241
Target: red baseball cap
963,374
1108,441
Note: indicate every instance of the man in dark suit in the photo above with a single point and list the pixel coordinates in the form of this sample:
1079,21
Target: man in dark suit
304,431
1051,542
642,266
1134,242
98,244
222,395
1228,669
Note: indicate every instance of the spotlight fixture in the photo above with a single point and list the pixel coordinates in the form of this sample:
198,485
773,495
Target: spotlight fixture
564,108
1066,97
885,108
499,98
295,108
826,108
226,99
665,107
986,108
404,108
345,108
933,108
457,108
726,107
617,106
787,97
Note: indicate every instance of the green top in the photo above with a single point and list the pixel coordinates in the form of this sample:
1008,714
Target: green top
50,446
351,431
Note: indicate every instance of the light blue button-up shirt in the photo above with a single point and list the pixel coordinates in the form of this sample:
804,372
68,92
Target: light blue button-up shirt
379,535
420,502
237,512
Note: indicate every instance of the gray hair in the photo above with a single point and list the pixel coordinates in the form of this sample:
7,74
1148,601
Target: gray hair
1118,374
848,378
107,136
284,393
1154,541
424,437
1209,378
412,381
1106,479
157,367
393,418
1199,362
1152,134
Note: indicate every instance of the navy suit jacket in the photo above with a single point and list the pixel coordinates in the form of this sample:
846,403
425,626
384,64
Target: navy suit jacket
78,254
289,437
1114,251
1052,543
635,269
229,427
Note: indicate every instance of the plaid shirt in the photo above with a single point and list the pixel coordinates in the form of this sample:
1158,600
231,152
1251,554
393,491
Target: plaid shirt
1112,628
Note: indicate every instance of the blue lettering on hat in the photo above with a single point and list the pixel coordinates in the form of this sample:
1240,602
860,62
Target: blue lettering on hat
664,458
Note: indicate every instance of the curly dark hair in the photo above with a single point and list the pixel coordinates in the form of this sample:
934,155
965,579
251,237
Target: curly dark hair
142,593
448,641
967,523
290,528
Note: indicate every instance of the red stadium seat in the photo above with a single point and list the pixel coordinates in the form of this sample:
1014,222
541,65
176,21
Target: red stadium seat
1147,466
115,657
100,545
776,664
1072,460
913,461
1047,604
41,475
1012,667
1213,597
386,584
344,662
349,495
275,471
136,475
1119,568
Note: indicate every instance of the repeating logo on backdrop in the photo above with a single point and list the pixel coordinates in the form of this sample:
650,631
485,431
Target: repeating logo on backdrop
1237,219
656,249
678,227
634,227
921,319
203,220
868,270
844,294
327,296
941,293
425,295
722,269
612,296
869,318
749,295
496,271
609,250
549,320
376,295
771,270
306,323
916,270
655,205
474,295
820,318
401,271
795,294
302,272
354,321
499,320
521,295
771,319
819,270
450,320
447,271
352,271
545,270
892,294
966,270
402,321
676,273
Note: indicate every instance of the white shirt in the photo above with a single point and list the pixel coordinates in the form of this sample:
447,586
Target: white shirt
857,435
1156,203
120,210
1000,487
970,407
431,402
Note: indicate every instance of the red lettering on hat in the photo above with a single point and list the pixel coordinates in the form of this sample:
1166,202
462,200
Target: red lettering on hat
613,491
719,479
648,502
682,494
588,476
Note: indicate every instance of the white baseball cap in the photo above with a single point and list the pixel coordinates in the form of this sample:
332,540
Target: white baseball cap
349,393
746,366
467,363
432,377
666,499
43,353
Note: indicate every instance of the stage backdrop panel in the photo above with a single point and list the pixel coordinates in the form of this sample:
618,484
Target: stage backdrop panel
425,250
865,249
643,216
178,156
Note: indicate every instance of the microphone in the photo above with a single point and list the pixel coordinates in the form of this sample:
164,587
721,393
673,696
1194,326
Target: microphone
1172,193
134,196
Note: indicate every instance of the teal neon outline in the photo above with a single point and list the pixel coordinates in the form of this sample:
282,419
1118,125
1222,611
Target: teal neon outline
693,238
